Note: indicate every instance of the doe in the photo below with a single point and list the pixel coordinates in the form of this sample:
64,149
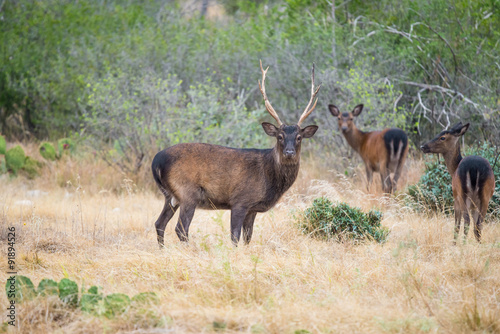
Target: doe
245,181
382,151
473,182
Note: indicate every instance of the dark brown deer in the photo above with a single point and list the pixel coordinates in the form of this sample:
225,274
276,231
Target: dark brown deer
473,182
245,181
382,151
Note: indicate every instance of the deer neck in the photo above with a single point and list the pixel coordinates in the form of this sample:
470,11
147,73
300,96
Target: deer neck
355,137
284,172
452,159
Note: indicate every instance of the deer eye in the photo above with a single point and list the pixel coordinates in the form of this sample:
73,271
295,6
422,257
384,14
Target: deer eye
280,137
299,138
442,138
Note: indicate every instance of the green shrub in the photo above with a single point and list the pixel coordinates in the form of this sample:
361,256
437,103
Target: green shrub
146,298
433,192
116,304
47,287
15,159
32,167
24,288
3,165
65,145
3,145
68,292
326,221
47,151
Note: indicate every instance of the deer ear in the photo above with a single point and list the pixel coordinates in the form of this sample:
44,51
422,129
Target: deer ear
270,129
461,131
334,110
309,131
357,110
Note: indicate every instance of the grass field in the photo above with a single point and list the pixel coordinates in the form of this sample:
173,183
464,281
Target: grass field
76,226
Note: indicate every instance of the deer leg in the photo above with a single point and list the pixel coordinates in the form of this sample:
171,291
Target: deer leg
466,223
248,227
237,218
165,216
385,177
458,218
397,173
480,219
369,177
185,217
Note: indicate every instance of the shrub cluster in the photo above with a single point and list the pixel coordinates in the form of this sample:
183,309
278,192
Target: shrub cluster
90,301
433,192
326,220
14,160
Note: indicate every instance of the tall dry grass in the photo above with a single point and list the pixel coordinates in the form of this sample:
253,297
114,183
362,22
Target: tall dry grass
95,226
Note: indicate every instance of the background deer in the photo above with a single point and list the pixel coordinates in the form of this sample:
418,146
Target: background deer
473,182
382,151
245,181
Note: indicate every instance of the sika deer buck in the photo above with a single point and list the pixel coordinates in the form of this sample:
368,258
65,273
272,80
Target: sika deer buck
382,151
245,181
473,182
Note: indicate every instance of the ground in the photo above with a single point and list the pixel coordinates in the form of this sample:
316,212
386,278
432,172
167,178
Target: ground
74,226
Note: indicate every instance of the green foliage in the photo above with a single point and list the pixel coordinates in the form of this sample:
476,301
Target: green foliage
91,301
115,304
65,145
341,222
24,289
3,145
68,292
47,287
15,159
32,167
433,192
3,165
47,151
146,298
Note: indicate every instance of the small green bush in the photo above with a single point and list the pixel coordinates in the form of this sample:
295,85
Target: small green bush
3,165
47,287
68,292
32,167
326,221
65,145
116,304
3,145
24,288
434,193
47,151
146,298
15,159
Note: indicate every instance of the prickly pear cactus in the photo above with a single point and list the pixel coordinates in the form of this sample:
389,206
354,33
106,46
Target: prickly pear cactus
47,151
3,145
15,159
19,288
91,301
32,167
116,304
146,298
47,287
68,291
65,145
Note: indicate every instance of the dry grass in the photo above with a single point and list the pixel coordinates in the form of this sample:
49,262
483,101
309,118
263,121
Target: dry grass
92,225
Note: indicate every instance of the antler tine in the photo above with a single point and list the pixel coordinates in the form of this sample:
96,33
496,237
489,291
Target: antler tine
262,88
314,92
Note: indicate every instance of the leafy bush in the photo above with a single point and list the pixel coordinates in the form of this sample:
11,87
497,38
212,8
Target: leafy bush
3,145
47,151
433,192
68,291
24,287
341,222
15,159
89,302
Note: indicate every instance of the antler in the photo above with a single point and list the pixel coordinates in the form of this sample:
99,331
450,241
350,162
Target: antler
262,88
310,109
